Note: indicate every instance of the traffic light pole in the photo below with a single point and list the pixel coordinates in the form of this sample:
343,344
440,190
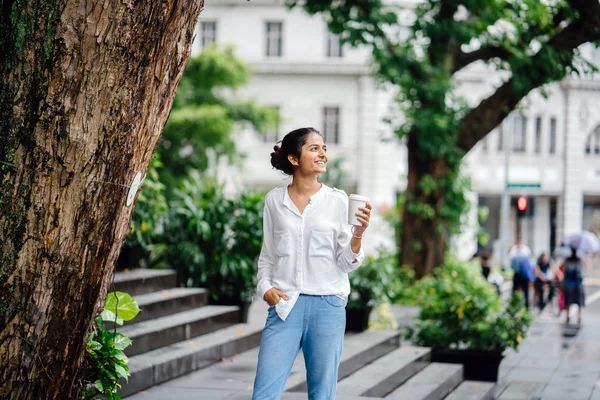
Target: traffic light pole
505,205
524,230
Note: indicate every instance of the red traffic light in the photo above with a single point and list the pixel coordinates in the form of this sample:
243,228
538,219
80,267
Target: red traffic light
522,203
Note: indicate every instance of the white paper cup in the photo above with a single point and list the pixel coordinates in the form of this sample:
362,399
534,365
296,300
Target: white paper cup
355,202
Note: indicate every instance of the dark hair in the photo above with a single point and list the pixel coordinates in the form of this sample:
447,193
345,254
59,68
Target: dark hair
573,252
290,145
540,258
486,255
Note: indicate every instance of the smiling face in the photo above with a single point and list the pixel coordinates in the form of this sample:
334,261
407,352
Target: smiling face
313,157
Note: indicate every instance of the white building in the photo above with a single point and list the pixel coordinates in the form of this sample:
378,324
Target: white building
301,69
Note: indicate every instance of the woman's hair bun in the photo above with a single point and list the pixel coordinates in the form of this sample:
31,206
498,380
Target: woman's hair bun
276,156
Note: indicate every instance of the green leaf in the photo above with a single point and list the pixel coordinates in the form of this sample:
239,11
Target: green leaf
110,316
122,372
121,341
99,386
122,304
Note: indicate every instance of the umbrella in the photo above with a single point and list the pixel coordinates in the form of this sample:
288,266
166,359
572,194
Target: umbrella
586,242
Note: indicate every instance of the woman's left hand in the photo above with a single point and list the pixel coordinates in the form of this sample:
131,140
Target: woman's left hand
364,217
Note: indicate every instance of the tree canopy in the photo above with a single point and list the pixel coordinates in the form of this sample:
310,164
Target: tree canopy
205,114
533,43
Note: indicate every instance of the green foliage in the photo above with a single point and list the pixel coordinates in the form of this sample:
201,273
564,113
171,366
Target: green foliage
375,282
460,310
213,240
206,113
105,361
483,236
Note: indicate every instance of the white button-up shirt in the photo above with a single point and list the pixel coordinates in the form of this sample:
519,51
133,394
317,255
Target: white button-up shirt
307,252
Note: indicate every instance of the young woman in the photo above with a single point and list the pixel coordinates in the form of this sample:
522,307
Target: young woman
308,250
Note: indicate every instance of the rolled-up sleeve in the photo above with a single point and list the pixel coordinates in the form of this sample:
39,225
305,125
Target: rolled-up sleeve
266,260
347,260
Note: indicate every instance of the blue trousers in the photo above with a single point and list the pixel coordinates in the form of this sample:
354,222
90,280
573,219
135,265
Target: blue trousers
316,325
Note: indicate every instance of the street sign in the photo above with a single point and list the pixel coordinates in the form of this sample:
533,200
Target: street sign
523,185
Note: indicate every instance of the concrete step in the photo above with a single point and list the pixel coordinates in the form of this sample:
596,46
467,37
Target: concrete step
168,302
237,373
359,350
177,393
140,281
297,396
159,332
434,382
473,390
386,373
166,363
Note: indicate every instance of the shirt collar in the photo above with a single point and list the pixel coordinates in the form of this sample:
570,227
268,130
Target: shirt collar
287,200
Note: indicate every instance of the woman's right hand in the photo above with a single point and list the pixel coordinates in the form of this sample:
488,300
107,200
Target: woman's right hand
273,295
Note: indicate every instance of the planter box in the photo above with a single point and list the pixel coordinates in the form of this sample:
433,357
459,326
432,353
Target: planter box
234,301
477,365
357,319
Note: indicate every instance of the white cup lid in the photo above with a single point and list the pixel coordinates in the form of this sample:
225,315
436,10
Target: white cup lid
358,197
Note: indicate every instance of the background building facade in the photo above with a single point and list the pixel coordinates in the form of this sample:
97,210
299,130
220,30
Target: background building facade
300,69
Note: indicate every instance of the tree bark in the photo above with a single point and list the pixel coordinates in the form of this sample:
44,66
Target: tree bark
423,240
85,90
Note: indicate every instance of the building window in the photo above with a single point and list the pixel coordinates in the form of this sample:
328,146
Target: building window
208,30
274,39
520,135
334,47
538,135
273,135
552,148
484,144
331,124
592,145
500,137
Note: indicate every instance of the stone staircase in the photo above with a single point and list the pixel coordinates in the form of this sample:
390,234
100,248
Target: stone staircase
184,348
176,332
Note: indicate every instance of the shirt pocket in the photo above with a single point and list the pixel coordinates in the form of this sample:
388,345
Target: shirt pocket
282,243
321,245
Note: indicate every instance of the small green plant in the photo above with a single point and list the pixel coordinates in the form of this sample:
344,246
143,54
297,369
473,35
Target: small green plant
106,362
460,310
375,281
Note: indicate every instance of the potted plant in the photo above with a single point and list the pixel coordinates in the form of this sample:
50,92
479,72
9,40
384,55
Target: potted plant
215,241
464,321
371,284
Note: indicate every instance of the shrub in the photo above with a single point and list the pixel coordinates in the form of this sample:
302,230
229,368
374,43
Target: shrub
460,310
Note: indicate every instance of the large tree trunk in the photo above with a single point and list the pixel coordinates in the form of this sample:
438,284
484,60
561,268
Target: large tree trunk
85,90
423,240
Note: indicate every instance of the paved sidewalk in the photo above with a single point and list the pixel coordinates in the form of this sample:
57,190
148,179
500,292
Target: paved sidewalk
556,361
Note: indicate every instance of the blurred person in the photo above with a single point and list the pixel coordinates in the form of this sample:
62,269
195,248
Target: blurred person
486,263
543,278
489,272
573,271
308,250
519,256
520,249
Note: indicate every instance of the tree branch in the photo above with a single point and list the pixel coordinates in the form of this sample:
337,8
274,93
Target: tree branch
463,59
491,111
